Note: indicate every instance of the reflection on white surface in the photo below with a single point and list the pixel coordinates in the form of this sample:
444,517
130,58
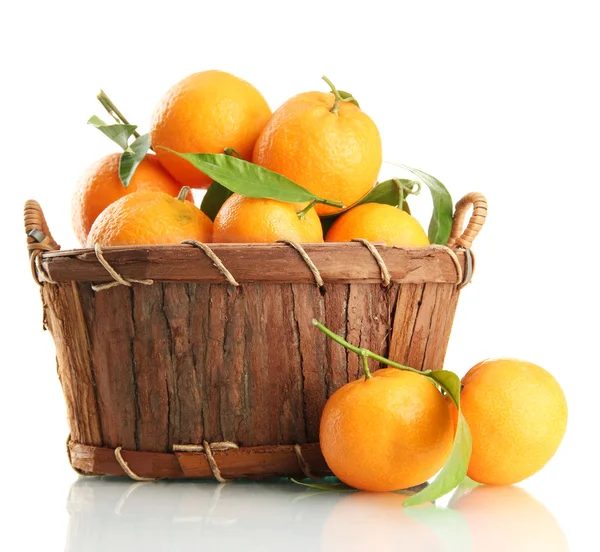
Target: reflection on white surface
509,518
109,514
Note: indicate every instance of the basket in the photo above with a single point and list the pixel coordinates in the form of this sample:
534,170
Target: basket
190,361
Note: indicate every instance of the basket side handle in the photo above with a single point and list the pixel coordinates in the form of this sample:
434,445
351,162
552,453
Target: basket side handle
39,238
464,238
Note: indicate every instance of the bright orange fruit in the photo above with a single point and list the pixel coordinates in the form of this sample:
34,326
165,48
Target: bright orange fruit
389,432
246,219
99,186
334,155
517,413
206,112
377,222
147,217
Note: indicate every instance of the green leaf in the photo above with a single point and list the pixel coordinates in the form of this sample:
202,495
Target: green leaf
441,218
119,134
389,192
132,157
454,470
323,486
248,179
346,95
213,199
449,381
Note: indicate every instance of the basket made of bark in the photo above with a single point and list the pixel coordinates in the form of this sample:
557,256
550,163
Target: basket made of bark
187,361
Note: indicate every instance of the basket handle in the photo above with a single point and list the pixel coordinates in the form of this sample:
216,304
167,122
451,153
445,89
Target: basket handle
464,238
39,238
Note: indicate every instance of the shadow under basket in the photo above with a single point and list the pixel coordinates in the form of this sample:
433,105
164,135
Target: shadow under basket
196,361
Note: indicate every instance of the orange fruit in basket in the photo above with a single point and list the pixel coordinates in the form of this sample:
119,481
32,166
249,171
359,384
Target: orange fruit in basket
99,186
206,112
389,432
509,518
246,219
377,222
147,217
334,155
517,414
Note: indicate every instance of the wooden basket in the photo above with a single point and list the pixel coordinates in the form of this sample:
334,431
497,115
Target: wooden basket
193,362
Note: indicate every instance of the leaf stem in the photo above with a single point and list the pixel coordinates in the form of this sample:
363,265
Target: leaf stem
364,353
113,110
332,202
183,193
304,212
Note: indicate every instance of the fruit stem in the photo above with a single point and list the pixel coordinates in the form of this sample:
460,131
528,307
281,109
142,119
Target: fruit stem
365,357
404,190
336,104
232,152
364,353
338,97
400,193
304,212
332,202
183,193
113,111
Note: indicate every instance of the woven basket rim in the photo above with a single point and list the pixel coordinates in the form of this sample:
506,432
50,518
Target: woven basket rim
269,263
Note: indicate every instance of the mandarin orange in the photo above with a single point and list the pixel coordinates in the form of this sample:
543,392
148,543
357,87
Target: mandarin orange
246,219
206,112
147,217
517,414
377,222
335,152
388,432
99,186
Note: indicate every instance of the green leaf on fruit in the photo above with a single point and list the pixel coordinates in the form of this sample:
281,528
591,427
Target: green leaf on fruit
443,208
454,470
250,180
449,381
213,199
345,95
391,192
118,133
132,157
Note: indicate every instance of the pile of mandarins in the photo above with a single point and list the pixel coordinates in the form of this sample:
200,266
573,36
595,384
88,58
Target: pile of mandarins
319,140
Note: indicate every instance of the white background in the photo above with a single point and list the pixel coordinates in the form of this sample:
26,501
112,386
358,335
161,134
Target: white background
501,98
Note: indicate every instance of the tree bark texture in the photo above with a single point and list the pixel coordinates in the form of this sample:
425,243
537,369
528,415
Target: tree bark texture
177,362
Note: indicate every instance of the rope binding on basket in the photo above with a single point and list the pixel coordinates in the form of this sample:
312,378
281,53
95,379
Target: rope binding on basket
208,449
303,463
128,471
119,280
218,263
309,263
385,273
